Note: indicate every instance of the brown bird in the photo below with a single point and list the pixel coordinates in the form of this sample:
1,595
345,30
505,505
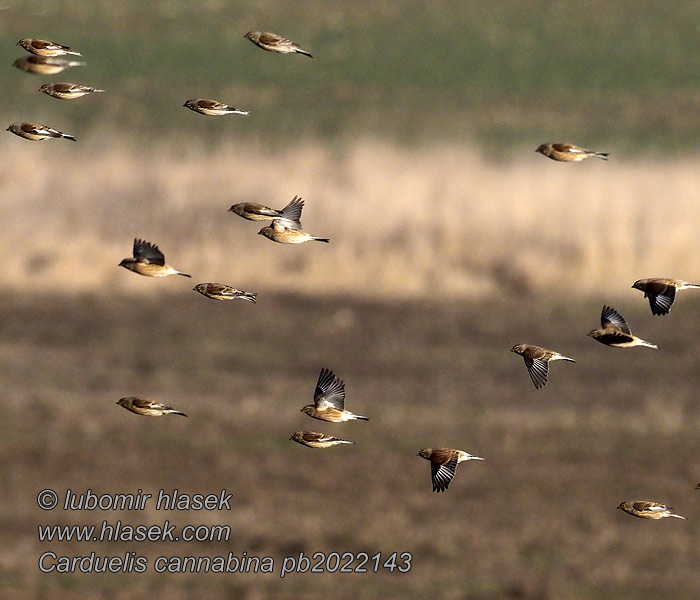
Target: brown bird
37,132
147,408
661,292
45,65
290,214
443,464
568,152
274,43
329,400
648,510
537,361
148,260
313,439
219,291
615,332
67,91
212,108
281,232
45,48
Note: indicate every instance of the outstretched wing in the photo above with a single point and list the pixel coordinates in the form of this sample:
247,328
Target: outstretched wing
330,391
442,474
610,317
148,253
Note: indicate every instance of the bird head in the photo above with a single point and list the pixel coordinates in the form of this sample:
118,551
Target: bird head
518,349
425,453
309,409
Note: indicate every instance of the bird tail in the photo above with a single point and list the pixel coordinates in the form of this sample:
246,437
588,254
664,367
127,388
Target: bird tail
602,155
73,52
349,442
184,274
176,412
562,357
249,296
648,345
677,516
68,137
317,239
360,417
304,52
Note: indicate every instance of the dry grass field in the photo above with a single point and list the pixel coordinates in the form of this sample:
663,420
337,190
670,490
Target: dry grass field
440,221
536,521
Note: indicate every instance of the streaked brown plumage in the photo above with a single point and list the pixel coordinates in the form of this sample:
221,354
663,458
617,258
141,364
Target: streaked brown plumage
290,214
45,48
280,231
615,331
568,152
443,464
148,260
274,43
45,65
212,108
37,132
648,510
661,292
537,361
67,91
219,291
313,439
329,400
147,408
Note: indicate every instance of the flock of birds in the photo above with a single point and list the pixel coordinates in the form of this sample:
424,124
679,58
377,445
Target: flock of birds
49,58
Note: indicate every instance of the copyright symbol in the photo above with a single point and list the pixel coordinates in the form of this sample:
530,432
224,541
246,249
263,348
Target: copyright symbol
47,499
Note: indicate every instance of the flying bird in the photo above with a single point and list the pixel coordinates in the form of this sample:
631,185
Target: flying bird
212,108
661,292
537,361
329,400
568,152
147,408
313,439
37,132
615,332
67,91
45,48
648,510
274,43
219,291
290,214
443,464
45,65
281,231
148,260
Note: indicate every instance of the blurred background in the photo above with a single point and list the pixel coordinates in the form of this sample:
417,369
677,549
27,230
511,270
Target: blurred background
410,136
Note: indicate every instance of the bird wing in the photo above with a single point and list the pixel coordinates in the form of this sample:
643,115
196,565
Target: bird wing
330,391
538,370
610,318
148,253
271,38
442,474
292,212
661,302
